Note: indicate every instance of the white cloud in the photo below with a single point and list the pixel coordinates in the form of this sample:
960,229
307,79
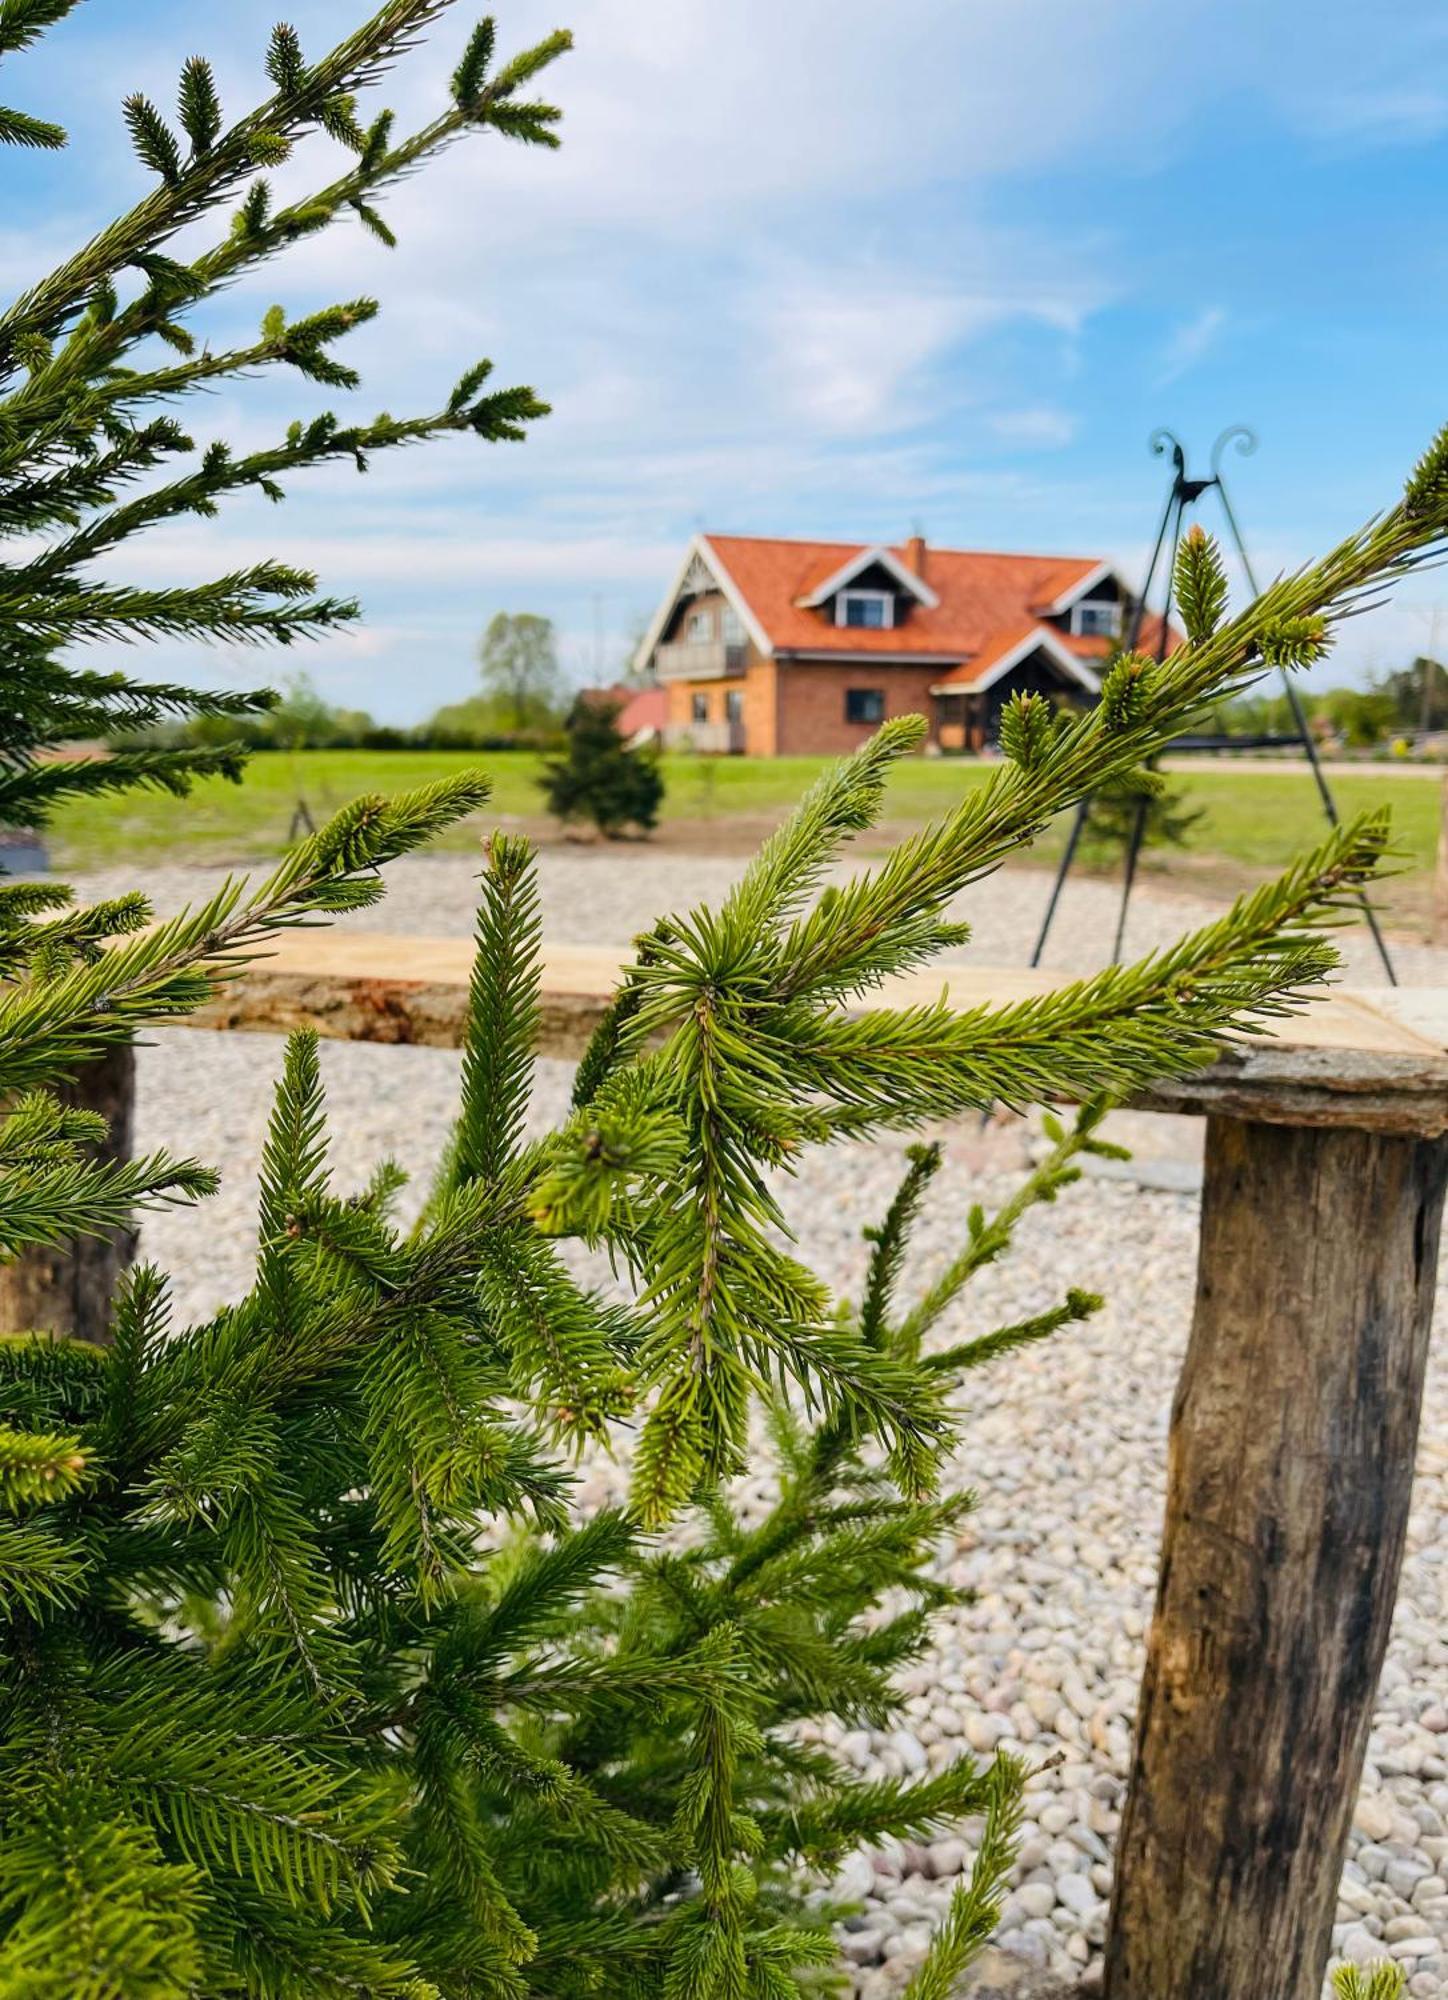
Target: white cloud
408,553
1190,343
1041,428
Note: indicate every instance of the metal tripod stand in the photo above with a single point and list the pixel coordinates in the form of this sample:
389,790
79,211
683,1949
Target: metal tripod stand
1184,494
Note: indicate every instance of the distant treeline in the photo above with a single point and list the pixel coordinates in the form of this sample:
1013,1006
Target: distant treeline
1392,708
303,720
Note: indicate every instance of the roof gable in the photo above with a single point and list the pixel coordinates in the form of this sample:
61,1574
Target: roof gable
1008,650
967,612
699,569
856,565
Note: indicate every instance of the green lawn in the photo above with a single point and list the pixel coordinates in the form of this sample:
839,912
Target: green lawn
1261,821
1254,820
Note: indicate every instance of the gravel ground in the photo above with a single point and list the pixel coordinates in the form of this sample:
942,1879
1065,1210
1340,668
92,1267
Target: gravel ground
1066,1443
607,894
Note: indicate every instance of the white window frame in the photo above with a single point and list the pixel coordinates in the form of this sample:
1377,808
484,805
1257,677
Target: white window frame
884,598
697,701
1080,630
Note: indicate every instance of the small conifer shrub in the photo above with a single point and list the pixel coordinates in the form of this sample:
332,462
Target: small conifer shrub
1146,796
313,1683
600,778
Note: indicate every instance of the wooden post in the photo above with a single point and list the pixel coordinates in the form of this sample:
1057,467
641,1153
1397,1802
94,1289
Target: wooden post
1292,1446
68,1289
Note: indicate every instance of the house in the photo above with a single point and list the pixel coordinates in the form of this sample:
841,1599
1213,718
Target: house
775,647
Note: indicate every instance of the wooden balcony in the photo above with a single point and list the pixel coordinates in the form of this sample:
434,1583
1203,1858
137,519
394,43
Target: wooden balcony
701,660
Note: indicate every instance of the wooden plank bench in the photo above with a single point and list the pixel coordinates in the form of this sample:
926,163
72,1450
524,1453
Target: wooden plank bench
1375,1059
1292,1444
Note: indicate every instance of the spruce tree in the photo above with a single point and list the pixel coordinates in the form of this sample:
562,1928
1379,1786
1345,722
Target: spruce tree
312,1681
598,777
1143,809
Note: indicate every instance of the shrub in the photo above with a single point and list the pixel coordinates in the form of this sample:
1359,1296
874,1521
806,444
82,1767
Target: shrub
598,777
1111,818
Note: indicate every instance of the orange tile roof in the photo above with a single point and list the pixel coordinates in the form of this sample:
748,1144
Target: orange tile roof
995,648
981,596
644,708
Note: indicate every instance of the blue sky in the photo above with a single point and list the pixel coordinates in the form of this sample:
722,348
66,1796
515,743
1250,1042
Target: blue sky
827,268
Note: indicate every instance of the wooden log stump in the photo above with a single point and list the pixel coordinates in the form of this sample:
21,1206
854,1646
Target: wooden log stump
1291,1465
68,1289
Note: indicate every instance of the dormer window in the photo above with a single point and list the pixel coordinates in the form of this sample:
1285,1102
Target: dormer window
865,610
1095,618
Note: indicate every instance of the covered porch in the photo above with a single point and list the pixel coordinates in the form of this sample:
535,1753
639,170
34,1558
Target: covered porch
970,698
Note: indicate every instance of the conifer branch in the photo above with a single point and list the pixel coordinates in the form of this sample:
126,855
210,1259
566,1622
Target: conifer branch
976,1906
502,1014
38,1466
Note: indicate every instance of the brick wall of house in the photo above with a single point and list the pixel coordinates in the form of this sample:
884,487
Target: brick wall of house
811,703
797,708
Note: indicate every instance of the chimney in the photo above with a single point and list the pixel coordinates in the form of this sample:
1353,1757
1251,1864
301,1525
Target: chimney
915,555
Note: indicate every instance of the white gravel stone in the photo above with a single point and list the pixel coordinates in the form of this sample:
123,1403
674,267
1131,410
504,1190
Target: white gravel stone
1077,1895
1373,1817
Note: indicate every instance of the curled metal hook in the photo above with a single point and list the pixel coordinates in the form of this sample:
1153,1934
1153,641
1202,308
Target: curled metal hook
1160,440
1240,435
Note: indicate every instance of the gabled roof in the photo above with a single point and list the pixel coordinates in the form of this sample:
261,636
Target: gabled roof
1078,587
977,594
1007,649
974,610
699,551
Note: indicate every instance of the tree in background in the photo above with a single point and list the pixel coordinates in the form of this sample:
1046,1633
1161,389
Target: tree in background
297,718
1404,703
1419,695
518,660
1111,819
1361,717
304,720
598,777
